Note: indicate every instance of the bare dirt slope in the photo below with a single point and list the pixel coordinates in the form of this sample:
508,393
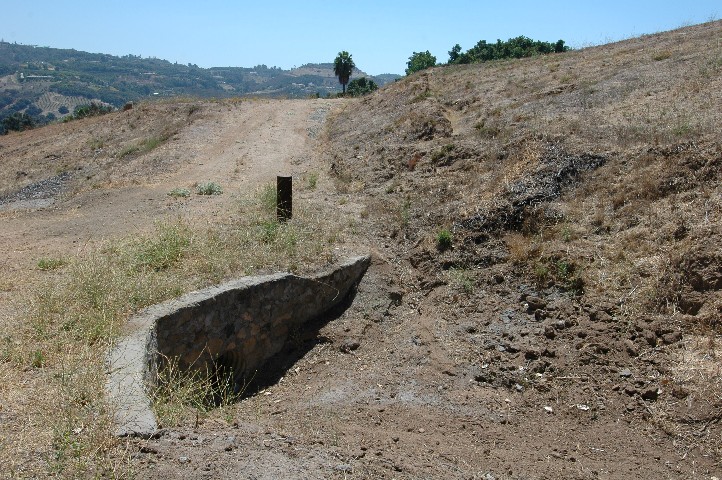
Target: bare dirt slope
569,329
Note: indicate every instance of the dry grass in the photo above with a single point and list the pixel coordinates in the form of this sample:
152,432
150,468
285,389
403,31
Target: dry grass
52,372
650,106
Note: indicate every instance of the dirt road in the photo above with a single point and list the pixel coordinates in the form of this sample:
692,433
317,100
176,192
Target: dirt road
240,147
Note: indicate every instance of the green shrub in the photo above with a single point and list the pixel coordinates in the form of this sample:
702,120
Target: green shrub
443,240
179,192
51,263
209,188
361,86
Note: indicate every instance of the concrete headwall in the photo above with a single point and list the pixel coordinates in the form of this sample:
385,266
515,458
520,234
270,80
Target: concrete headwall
241,324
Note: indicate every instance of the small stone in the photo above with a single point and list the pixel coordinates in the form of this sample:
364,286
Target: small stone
651,394
535,303
343,467
532,354
626,373
671,338
600,316
349,346
631,348
421,430
184,459
549,332
650,337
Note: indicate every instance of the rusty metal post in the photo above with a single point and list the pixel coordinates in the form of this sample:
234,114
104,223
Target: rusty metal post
284,198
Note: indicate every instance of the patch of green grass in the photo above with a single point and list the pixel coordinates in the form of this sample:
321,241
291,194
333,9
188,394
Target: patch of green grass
143,146
179,192
165,249
268,198
443,240
312,180
405,213
46,263
442,152
209,188
461,279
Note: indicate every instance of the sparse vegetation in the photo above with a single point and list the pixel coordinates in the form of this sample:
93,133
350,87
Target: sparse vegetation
180,396
312,180
209,188
96,291
179,192
47,263
443,240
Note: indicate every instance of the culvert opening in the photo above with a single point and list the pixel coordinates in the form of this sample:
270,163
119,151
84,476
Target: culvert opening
223,343
226,380
300,343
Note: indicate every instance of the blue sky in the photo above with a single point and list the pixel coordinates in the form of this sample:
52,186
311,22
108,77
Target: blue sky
380,34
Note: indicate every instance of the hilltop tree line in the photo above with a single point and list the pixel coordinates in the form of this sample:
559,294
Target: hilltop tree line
517,47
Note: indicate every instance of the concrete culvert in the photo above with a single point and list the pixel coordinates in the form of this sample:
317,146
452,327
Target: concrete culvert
230,331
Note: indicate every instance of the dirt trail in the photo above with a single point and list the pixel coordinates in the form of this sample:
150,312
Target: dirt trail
240,147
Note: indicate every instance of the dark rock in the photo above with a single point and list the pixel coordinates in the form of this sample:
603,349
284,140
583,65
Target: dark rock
631,348
549,332
600,316
551,353
631,391
650,338
651,394
349,346
540,315
535,303
671,338
396,296
470,329
532,354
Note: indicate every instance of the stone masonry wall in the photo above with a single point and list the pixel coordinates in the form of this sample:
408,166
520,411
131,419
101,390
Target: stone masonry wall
242,323
247,321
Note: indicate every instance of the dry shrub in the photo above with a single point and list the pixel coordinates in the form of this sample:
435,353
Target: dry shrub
522,248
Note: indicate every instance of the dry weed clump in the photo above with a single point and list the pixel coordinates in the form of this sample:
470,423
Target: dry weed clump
60,341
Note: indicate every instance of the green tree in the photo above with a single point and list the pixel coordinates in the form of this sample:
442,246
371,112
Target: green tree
343,67
361,86
454,53
17,122
420,61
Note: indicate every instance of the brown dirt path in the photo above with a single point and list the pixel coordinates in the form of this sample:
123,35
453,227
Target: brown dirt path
240,147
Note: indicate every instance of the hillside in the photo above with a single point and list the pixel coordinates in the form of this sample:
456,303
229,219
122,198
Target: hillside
544,299
41,80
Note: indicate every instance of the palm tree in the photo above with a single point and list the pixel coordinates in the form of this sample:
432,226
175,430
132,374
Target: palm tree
342,67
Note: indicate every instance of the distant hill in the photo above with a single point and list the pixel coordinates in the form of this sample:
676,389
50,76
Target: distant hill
47,83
